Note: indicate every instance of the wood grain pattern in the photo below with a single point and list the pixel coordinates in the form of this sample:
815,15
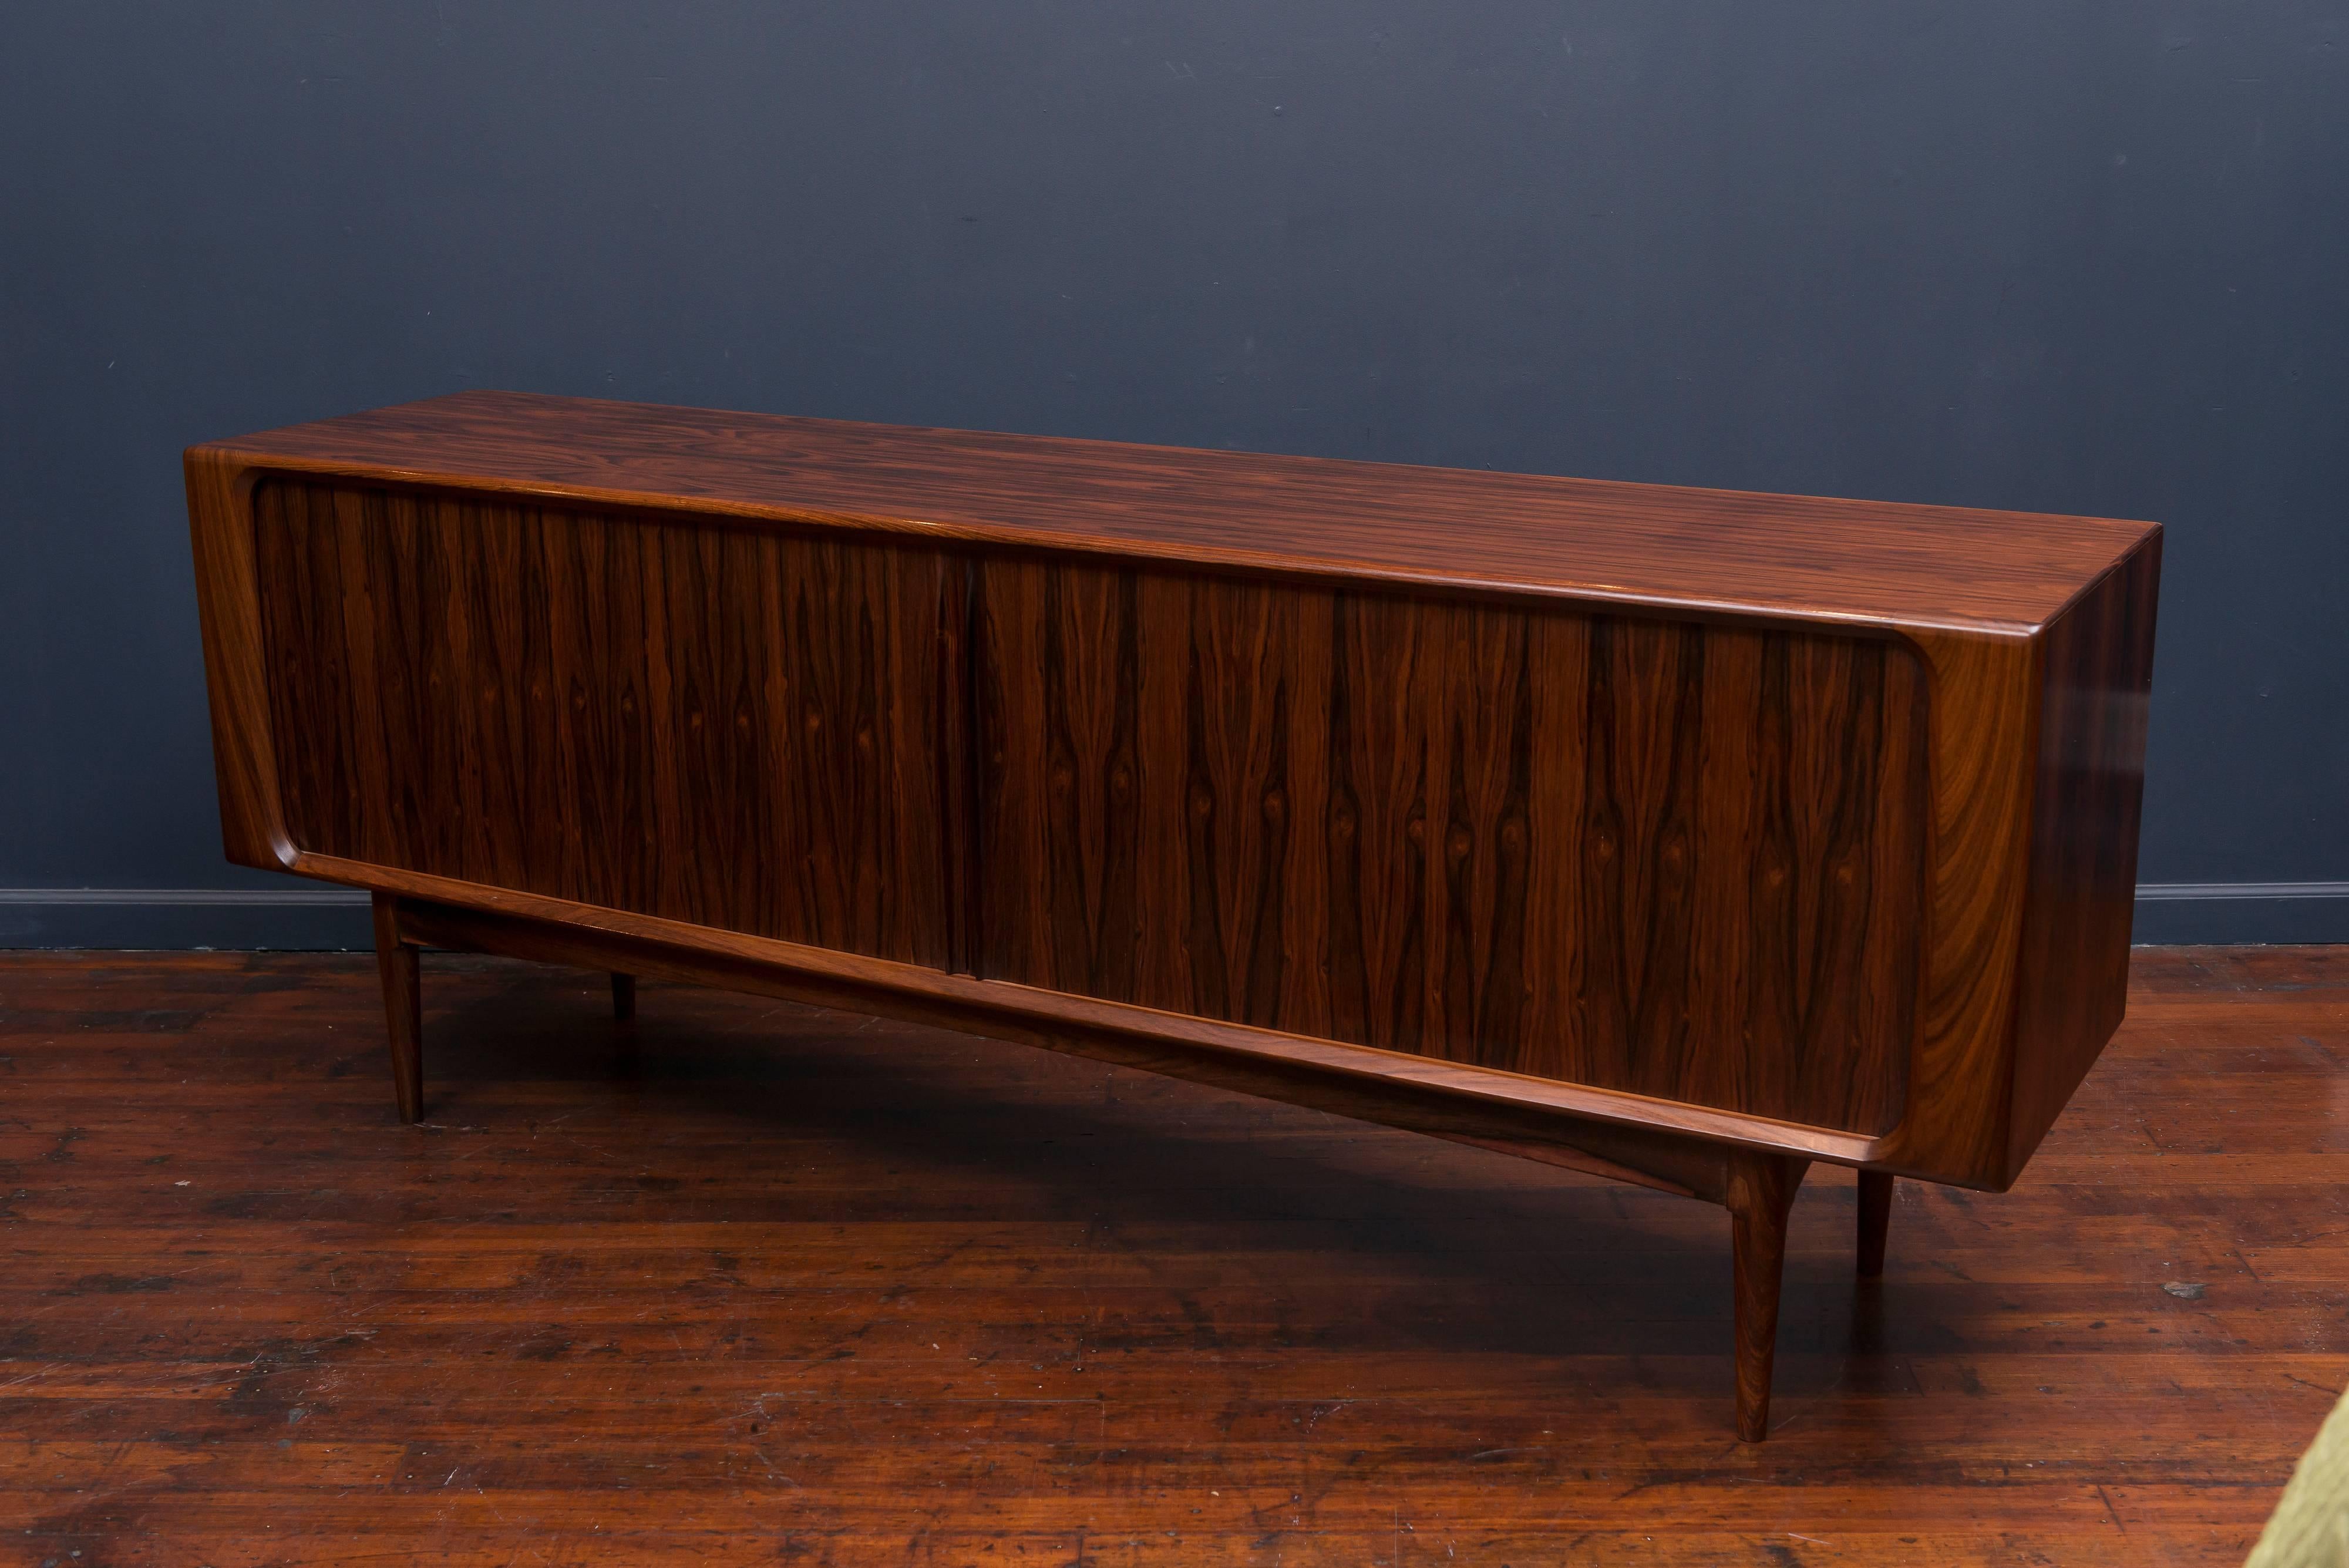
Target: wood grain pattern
1757,1188
1805,559
1670,835
1061,1021
1831,568
732,730
1873,1221
1761,1189
1981,750
1664,1159
403,1008
236,678
806,1287
2097,687
1577,847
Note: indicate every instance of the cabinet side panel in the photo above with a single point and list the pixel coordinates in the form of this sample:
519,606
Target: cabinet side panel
2096,689
1682,860
221,531
735,729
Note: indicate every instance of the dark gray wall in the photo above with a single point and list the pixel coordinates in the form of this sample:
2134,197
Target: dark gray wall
2076,258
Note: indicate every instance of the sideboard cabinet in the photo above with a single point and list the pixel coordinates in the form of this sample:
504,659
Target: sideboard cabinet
1683,837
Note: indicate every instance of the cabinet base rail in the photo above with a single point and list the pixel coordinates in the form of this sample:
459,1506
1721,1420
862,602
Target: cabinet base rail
1757,1187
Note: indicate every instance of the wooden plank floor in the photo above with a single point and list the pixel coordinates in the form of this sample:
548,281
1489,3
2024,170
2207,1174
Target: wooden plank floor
801,1287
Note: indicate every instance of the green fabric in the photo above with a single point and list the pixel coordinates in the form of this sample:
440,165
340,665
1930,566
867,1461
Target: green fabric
2310,1528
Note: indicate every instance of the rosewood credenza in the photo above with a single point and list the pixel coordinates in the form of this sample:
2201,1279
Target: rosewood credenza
1684,837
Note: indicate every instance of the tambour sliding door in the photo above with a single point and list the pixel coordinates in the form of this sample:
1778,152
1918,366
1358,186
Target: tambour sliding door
734,728
1677,858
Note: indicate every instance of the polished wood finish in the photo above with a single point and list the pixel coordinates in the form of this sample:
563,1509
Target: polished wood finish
1807,558
219,518
2097,686
813,1289
403,1009
723,728
1571,846
1761,1190
522,925
1651,831
1875,1218
624,997
1671,1162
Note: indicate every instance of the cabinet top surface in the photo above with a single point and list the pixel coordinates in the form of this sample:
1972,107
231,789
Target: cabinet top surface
1704,550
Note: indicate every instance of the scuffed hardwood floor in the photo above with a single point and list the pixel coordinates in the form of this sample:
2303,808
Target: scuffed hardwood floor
800,1287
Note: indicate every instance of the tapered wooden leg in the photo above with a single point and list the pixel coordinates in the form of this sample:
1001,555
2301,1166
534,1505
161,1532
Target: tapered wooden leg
1761,1190
403,1009
1875,1218
624,997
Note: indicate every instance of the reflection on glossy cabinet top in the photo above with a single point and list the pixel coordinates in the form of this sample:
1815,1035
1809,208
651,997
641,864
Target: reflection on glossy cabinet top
1709,550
